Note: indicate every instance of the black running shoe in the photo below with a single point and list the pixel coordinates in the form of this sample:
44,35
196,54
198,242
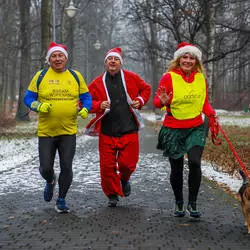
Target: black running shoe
49,190
126,188
179,209
113,200
193,211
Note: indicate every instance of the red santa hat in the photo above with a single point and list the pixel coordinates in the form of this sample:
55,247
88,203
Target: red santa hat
55,47
114,52
184,48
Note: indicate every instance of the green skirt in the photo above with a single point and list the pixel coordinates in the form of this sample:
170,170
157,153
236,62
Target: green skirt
175,142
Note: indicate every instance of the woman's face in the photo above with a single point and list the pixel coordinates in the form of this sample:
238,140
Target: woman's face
187,63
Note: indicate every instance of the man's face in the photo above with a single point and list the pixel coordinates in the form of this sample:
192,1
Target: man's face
58,61
113,64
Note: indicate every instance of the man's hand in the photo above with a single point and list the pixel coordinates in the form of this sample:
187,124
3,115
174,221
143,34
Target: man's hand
40,107
105,105
83,113
44,107
136,104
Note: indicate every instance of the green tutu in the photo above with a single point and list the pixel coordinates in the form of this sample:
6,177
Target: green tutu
175,142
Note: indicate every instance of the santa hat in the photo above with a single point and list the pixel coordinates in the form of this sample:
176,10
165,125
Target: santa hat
115,52
184,48
55,47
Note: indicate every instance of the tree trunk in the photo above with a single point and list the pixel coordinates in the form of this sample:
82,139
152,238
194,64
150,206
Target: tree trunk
211,48
3,86
153,57
13,88
45,29
24,7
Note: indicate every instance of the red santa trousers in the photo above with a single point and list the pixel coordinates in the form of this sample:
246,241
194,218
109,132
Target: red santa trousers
118,159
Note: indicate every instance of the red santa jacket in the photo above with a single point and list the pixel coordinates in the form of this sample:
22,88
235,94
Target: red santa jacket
135,88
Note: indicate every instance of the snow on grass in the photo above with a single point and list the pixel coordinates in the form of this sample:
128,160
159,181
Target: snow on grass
233,118
240,119
19,159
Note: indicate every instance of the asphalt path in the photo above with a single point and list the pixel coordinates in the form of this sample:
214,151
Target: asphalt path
144,220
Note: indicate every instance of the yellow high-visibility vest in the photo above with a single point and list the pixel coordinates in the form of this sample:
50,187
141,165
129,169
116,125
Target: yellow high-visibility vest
188,98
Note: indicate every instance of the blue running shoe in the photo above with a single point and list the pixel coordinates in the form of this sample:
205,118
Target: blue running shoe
193,211
180,210
49,190
61,206
126,188
113,200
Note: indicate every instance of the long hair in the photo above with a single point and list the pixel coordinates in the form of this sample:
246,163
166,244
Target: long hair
175,64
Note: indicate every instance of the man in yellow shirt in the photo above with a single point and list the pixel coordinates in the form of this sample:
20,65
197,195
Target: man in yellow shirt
55,93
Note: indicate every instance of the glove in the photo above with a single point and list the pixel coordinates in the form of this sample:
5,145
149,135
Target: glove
83,113
215,129
34,105
164,108
40,107
44,107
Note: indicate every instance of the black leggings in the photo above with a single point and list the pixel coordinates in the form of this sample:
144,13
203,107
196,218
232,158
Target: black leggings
194,177
66,145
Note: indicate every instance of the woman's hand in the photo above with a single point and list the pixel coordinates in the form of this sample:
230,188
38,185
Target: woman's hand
163,96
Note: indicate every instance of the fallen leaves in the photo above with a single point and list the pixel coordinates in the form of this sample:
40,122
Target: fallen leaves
43,222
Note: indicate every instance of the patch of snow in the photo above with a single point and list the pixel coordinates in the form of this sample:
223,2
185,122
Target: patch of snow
19,162
236,119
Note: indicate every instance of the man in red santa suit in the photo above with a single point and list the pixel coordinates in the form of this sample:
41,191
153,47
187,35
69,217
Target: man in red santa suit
117,95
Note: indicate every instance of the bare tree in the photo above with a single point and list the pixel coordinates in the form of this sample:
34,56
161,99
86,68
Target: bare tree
211,25
210,32
8,54
45,28
24,8
148,32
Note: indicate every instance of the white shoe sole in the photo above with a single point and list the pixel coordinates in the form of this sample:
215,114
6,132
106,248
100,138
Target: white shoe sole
61,211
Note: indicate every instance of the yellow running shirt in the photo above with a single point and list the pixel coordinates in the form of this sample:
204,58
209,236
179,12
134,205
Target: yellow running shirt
62,91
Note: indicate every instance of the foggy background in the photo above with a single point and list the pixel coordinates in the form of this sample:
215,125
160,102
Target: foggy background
148,32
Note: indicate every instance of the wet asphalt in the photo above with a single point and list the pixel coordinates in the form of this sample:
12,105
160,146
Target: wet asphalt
142,221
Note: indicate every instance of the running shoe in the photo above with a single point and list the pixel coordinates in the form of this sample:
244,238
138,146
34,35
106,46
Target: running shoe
179,209
192,210
113,200
49,189
61,206
126,188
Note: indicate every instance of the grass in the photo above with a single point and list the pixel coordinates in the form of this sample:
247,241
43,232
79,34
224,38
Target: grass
221,157
28,129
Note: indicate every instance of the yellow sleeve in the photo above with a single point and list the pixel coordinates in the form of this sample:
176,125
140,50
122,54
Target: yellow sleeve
33,86
83,85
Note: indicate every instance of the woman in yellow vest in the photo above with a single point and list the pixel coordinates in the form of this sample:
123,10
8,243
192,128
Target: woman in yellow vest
183,90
